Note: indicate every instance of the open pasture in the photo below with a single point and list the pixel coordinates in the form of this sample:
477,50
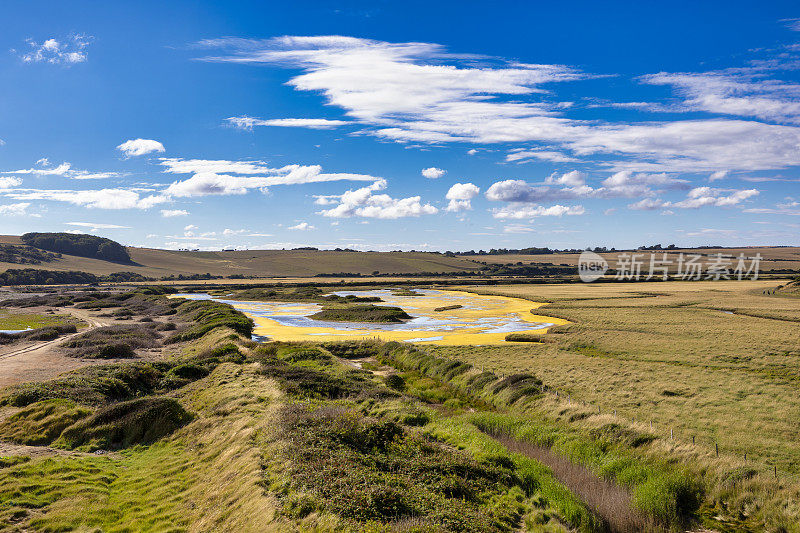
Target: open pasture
717,361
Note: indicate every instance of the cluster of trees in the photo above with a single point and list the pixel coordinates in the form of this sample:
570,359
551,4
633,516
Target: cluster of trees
35,276
25,255
79,244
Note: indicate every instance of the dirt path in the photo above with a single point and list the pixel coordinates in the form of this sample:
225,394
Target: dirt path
40,360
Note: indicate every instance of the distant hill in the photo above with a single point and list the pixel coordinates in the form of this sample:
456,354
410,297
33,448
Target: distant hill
157,263
81,245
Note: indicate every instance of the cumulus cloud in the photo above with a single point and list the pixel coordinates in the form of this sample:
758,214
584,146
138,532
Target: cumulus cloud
433,173
520,211
363,203
7,182
17,209
570,179
247,123
137,147
171,213
461,195
67,51
418,92
303,226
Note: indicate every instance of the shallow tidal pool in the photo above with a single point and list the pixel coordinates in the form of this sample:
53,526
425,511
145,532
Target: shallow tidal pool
480,319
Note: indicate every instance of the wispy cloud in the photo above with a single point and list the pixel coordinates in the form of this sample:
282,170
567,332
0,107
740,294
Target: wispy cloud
247,123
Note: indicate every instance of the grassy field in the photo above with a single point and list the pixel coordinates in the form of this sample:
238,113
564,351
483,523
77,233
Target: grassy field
15,321
713,361
261,263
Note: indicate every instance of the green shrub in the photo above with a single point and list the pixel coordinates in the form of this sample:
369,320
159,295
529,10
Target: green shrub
396,382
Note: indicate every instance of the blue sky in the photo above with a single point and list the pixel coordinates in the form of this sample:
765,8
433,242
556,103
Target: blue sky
414,125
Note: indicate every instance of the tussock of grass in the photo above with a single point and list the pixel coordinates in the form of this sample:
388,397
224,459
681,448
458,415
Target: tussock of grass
524,337
448,307
41,423
140,421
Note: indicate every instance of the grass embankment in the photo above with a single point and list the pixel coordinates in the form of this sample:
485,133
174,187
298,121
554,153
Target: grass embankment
362,313
448,307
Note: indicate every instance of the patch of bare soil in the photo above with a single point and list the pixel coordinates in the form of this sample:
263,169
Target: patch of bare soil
38,361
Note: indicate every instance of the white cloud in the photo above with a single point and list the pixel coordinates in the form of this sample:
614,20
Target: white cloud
570,179
718,175
521,155
99,199
699,197
303,226
95,226
209,179
363,203
247,123
461,195
473,151
417,92
190,227
137,147
433,173
64,169
7,182
739,94
520,211
17,209
65,52
170,213
705,196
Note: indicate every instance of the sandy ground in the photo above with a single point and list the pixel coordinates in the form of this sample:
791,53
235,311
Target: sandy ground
40,361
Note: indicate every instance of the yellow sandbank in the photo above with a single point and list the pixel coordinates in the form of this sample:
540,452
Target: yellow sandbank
476,307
